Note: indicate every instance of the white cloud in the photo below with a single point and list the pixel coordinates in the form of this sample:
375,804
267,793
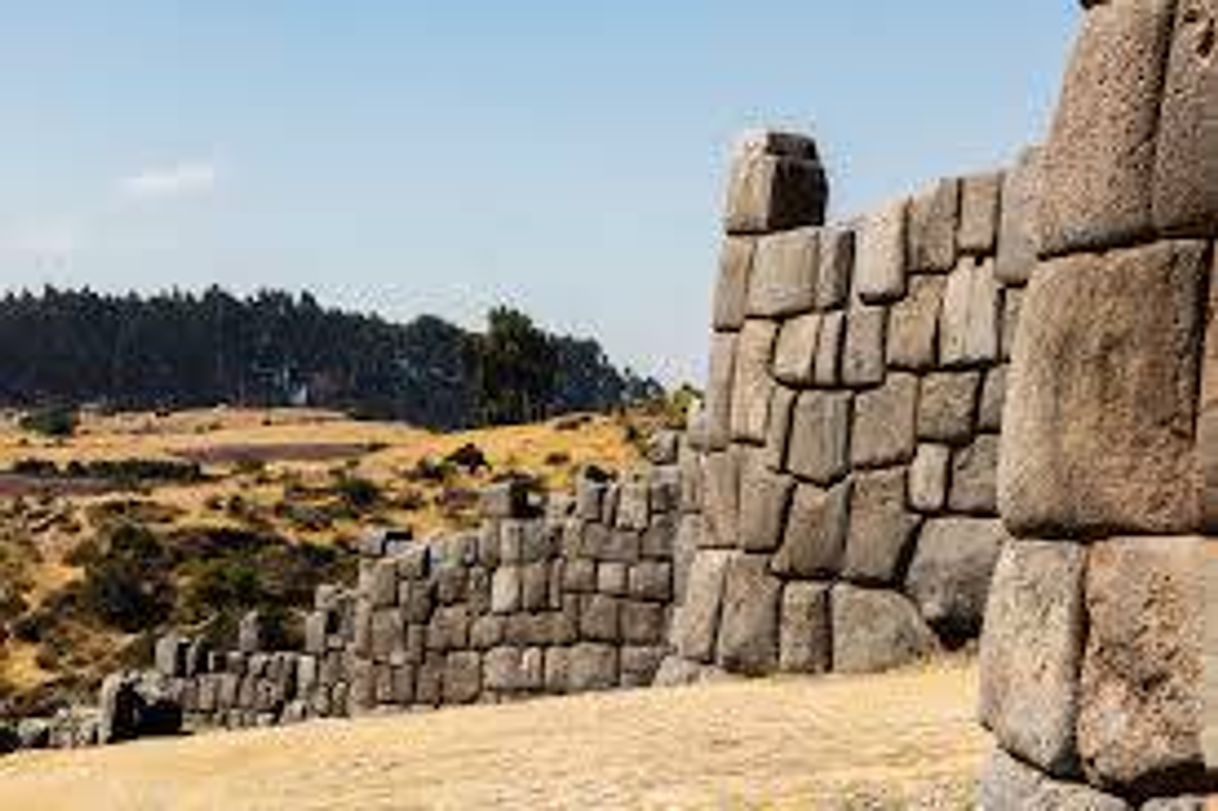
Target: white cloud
179,180
44,244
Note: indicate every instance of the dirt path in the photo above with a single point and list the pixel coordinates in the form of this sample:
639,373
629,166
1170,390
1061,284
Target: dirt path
898,740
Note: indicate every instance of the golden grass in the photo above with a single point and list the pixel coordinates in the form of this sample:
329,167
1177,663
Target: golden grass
899,740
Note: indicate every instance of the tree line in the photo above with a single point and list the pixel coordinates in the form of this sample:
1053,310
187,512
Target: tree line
181,349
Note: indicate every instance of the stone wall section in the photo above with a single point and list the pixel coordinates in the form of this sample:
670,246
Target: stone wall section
844,465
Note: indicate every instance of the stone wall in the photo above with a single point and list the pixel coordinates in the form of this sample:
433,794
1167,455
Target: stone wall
845,460
1097,654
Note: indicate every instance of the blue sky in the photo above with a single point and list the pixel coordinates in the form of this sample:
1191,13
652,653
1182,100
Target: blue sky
408,157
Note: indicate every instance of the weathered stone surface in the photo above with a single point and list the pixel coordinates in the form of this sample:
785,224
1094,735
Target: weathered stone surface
1141,713
880,262
815,537
979,199
862,362
748,632
591,666
913,325
1012,299
946,404
719,384
642,623
795,353
504,500
769,192
639,664
782,406
928,478
722,498
949,577
884,422
1017,230
837,250
752,387
505,589
651,580
934,216
695,624
611,578
1207,418
689,537
875,630
1099,420
462,677
1008,785
819,445
732,290
827,369
993,395
783,280
968,325
805,638
880,527
974,487
169,655
764,497
1032,649
634,505
599,617
1099,160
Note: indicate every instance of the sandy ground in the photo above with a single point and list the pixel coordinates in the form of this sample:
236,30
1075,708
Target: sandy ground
901,740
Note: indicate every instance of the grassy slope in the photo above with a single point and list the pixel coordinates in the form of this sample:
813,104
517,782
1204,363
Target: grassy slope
900,740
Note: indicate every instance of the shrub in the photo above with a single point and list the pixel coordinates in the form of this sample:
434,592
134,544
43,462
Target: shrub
127,586
358,493
53,421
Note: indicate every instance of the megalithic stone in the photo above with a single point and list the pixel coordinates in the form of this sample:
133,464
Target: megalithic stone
777,182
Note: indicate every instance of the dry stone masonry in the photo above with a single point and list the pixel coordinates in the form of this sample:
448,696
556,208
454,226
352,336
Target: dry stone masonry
1098,656
844,466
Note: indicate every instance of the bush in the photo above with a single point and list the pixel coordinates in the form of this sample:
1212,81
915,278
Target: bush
358,493
53,421
127,585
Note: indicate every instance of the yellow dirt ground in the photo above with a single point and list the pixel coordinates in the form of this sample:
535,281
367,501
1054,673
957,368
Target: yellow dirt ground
901,740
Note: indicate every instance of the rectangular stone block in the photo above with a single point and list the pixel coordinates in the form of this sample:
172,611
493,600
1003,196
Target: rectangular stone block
1032,649
1099,161
795,352
880,263
782,406
748,632
968,326
764,497
591,666
1012,298
881,529
769,192
598,618
993,395
1017,230
819,445
884,423
876,629
979,204
934,216
753,384
827,369
721,376
732,289
913,325
815,536
862,362
505,589
946,405
974,488
837,254
462,677
783,280
611,578
696,619
651,580
1099,421
928,478
642,623
722,478
805,640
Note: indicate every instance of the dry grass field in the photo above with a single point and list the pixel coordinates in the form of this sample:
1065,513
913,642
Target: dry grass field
901,740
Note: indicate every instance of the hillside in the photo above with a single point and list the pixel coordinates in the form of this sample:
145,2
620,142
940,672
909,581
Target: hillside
900,740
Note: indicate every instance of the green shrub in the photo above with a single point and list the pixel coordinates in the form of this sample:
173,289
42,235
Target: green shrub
53,421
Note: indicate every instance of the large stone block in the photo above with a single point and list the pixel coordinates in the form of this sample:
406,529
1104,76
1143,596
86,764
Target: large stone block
1099,420
876,629
828,365
928,478
462,677
1140,719
772,188
1032,649
949,577
913,325
764,497
782,406
795,352
884,423
819,445
732,289
974,489
753,385
696,620
591,666
719,385
862,362
993,396
721,475
748,632
880,262
805,638
1006,784
837,253
1099,161
642,623
934,216
968,326
881,529
783,280
1017,227
815,537
979,203
946,405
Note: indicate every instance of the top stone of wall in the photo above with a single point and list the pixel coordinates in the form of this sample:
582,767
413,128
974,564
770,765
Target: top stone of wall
777,182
